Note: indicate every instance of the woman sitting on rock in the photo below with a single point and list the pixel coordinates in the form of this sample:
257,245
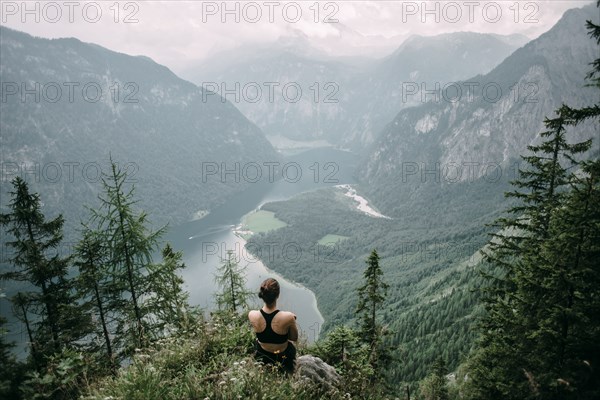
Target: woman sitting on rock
275,330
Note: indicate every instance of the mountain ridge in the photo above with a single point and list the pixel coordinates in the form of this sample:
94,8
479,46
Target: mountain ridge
346,102
163,127
479,128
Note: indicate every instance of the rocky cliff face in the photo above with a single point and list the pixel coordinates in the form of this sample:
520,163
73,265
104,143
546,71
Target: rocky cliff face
419,65
476,127
344,101
67,105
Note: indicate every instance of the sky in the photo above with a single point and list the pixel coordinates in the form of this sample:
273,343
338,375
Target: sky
180,34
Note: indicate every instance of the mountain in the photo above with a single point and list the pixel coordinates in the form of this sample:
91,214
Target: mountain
310,89
439,171
478,132
345,101
68,106
422,64
515,39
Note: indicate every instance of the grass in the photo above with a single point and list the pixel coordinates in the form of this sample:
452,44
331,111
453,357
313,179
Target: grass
214,363
330,240
262,221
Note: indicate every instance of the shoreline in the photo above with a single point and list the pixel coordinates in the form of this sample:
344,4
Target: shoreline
258,263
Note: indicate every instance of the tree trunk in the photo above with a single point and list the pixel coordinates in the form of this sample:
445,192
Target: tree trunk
128,264
104,327
52,318
29,334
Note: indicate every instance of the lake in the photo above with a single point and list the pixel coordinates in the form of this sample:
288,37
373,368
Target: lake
206,241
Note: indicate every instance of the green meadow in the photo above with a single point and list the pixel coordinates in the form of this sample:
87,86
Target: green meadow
330,240
262,221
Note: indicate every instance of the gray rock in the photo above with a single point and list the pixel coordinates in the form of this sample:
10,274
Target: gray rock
318,371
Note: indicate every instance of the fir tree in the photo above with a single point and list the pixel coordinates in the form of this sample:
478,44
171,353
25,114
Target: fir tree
435,385
9,372
130,244
93,285
343,349
169,302
340,346
371,295
541,301
568,327
513,301
52,316
230,278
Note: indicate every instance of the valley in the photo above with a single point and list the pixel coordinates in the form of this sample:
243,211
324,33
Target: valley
205,242
416,157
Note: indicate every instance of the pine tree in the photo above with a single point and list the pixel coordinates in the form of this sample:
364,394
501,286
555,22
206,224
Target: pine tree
9,372
435,385
169,302
231,280
513,301
540,298
371,295
343,349
130,244
53,318
93,285
569,326
340,346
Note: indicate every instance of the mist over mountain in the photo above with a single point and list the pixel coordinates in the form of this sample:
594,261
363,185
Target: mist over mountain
422,64
68,106
289,89
400,163
439,170
345,101
478,129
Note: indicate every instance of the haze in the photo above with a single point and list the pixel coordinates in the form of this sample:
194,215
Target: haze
183,33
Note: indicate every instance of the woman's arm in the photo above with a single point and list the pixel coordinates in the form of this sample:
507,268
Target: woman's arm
293,329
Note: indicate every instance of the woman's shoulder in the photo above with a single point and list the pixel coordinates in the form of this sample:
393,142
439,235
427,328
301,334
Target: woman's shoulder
288,315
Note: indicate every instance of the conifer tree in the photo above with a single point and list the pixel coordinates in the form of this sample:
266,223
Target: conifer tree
10,368
339,346
233,295
513,301
435,385
343,349
566,348
93,285
371,295
53,318
169,302
540,302
130,244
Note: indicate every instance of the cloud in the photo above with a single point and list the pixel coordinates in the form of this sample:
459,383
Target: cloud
181,33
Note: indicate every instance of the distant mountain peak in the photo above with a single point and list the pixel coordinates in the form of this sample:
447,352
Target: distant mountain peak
487,130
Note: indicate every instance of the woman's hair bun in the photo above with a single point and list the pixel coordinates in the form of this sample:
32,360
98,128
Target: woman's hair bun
269,290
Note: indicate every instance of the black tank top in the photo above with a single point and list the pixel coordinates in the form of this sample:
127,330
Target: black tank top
269,335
